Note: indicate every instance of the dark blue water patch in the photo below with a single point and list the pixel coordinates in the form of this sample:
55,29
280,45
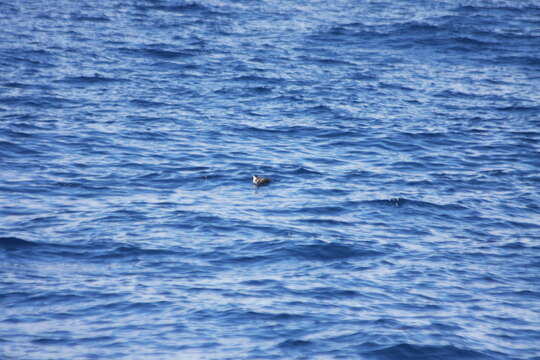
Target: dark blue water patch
100,253
262,283
525,60
95,252
272,132
14,134
295,344
325,293
39,102
452,94
345,133
503,10
270,252
50,341
399,87
96,79
147,103
18,85
167,54
348,33
329,252
325,222
409,351
260,90
327,61
239,316
38,58
158,52
300,171
123,307
331,192
532,295
10,149
316,210
256,79
402,202
9,9
471,43
92,19
14,243
520,108
187,69
186,8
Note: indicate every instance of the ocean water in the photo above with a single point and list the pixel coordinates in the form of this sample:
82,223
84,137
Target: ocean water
402,138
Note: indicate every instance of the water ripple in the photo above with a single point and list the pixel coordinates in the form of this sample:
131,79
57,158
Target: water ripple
402,217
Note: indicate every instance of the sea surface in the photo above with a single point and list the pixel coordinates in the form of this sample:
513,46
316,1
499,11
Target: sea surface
403,143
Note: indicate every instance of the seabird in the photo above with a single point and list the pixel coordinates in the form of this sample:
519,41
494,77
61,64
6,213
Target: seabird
259,181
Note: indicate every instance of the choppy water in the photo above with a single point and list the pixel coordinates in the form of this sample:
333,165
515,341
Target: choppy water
403,220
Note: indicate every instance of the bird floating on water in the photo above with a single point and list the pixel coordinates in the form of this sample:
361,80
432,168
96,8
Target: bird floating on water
260,181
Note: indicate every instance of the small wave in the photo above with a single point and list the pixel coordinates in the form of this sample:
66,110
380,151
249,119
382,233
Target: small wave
394,145
95,19
89,80
100,251
326,293
17,134
333,134
42,341
386,85
400,202
409,165
425,352
260,90
510,8
8,148
475,43
524,225
326,192
326,61
272,132
11,243
91,251
257,79
294,344
17,85
275,251
325,222
520,108
242,316
188,7
147,103
449,94
348,32
261,283
415,27
38,102
364,76
167,54
319,110
303,171
320,210
158,53
329,251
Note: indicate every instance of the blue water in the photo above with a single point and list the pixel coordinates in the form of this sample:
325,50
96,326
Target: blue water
402,138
